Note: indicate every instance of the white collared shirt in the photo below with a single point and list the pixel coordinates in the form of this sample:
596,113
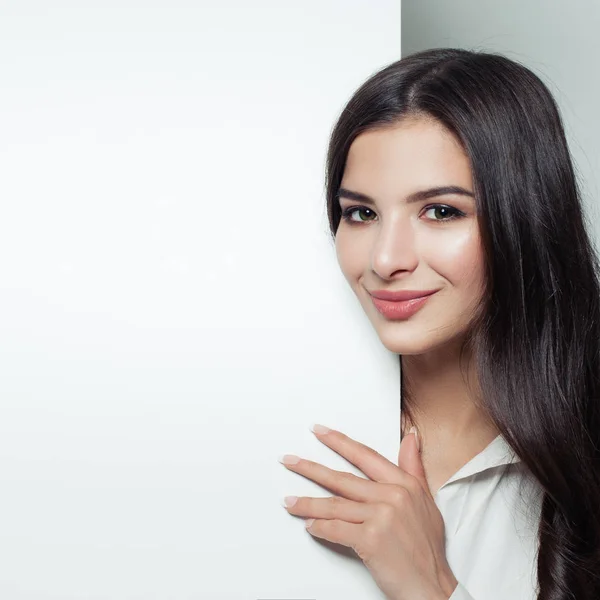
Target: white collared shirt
491,508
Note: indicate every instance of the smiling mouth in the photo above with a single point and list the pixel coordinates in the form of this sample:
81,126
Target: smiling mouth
401,295
400,309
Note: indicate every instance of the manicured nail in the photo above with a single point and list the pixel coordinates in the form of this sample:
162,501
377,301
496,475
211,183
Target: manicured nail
290,501
320,428
413,429
289,459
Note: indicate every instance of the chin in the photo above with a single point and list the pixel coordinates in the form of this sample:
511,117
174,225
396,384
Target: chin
420,342
401,345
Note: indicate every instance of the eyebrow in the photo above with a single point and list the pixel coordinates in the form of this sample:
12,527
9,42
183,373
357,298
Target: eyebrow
414,197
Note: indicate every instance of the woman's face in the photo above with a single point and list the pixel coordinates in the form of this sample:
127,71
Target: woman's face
391,244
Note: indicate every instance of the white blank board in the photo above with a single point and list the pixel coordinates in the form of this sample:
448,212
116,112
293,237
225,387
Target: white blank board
172,314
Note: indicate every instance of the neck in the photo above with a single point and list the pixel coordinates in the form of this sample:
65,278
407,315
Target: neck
445,397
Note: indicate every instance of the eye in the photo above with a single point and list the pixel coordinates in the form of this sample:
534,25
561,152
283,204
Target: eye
352,209
446,213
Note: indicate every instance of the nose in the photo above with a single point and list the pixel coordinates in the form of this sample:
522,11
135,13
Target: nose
394,248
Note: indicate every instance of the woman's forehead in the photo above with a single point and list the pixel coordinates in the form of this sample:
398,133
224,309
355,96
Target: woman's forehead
409,154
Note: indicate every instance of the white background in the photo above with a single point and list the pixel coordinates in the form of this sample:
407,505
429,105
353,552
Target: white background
172,314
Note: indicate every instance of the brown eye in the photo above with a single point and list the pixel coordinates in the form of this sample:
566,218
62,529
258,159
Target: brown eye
446,213
355,209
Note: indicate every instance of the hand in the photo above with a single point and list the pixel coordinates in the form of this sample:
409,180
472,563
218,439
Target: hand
390,520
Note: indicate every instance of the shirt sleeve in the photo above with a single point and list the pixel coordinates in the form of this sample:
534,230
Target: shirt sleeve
460,593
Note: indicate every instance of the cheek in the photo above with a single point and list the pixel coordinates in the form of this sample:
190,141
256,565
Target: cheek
350,255
461,261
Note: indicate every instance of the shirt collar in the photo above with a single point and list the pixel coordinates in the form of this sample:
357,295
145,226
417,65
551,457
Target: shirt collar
495,454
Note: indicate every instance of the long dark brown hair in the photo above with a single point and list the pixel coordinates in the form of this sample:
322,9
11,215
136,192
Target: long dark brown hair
536,337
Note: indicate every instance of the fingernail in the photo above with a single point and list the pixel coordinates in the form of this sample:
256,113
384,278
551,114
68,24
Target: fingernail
320,428
413,429
289,459
290,501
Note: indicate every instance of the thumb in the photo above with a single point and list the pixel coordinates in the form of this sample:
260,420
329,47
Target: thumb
409,457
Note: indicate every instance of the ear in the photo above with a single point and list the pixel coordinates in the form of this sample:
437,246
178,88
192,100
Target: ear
409,458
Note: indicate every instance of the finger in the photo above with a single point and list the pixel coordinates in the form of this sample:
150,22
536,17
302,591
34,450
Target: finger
344,484
336,531
375,466
410,461
331,508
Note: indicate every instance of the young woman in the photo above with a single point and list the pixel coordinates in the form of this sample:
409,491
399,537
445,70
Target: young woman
449,180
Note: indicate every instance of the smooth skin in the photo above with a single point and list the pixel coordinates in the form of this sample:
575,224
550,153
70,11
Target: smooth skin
396,242
391,520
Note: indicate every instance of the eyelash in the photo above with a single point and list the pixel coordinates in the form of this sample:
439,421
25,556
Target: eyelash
455,213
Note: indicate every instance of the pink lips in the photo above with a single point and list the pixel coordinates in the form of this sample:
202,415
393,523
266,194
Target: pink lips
401,295
400,305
